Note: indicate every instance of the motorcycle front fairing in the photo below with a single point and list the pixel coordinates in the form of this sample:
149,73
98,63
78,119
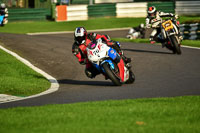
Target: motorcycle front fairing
169,28
112,54
102,54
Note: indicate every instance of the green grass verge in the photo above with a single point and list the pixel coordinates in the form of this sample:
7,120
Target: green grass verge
129,40
49,26
157,115
189,19
18,79
91,24
193,43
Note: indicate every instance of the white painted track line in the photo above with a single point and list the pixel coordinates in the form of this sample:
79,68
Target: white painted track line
189,47
54,84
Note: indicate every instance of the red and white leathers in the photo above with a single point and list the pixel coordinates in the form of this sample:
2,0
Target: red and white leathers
79,50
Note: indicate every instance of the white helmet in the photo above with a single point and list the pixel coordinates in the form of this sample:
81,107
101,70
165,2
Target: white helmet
152,11
80,35
3,5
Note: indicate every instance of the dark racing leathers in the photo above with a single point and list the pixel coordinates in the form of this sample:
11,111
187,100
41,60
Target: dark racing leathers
154,23
79,50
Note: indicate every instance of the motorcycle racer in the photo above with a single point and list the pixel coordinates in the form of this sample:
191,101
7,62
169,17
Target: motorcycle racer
136,32
4,11
82,40
153,20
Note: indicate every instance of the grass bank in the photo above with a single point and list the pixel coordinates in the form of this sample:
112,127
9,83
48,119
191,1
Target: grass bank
18,79
91,24
157,115
50,26
193,43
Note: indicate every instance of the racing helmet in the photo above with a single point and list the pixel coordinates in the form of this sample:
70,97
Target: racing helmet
80,35
2,5
152,11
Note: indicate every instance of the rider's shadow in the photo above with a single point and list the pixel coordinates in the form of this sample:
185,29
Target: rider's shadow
79,82
147,51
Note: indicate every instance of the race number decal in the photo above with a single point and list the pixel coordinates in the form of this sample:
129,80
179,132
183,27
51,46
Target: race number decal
96,52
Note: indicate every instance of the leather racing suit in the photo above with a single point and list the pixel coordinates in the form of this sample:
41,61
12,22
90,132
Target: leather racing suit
154,23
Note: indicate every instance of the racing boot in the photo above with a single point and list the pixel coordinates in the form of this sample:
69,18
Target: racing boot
89,74
152,42
127,61
128,65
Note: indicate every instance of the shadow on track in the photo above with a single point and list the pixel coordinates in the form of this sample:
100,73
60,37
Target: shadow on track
91,83
147,51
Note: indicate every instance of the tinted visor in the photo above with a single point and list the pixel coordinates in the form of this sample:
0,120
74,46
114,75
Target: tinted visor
152,14
80,39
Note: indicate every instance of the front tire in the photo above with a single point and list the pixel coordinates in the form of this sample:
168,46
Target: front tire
131,78
111,75
176,45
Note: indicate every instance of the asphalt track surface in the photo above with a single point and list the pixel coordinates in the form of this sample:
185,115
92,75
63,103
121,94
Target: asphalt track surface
159,73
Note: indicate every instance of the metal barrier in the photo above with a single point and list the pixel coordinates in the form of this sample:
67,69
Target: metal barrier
78,12
190,31
79,1
163,6
102,10
28,14
131,9
111,1
188,7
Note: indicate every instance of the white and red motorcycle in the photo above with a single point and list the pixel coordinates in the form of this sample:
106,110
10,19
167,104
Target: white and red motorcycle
109,63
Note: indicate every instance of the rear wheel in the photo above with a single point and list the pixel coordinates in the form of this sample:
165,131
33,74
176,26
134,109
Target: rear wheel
111,74
176,45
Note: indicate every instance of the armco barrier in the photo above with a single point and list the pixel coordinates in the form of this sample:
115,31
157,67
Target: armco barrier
28,14
131,9
80,1
188,7
111,1
78,12
102,10
83,12
163,6
190,31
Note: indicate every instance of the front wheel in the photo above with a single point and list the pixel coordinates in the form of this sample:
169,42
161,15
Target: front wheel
176,45
131,78
111,74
